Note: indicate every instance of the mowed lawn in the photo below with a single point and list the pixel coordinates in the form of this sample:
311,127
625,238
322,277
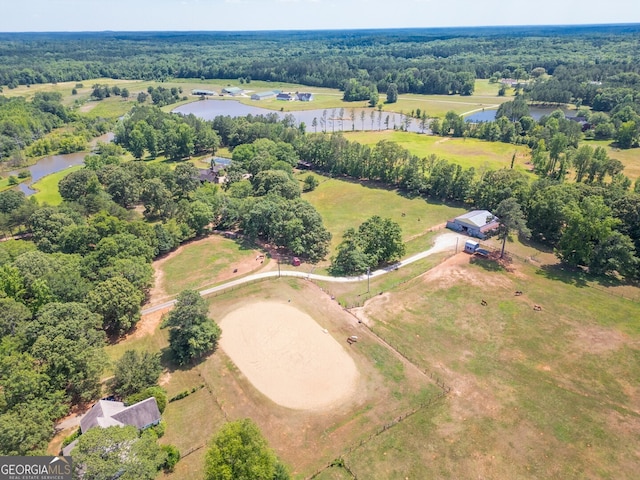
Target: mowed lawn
204,262
345,204
47,187
535,394
469,152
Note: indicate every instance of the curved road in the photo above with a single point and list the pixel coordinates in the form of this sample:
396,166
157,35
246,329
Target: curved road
443,242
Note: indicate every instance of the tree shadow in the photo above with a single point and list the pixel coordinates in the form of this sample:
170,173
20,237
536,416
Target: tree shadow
565,274
487,264
168,361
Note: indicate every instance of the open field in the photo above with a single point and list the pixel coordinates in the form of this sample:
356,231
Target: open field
630,158
202,263
47,187
387,386
536,394
469,152
344,204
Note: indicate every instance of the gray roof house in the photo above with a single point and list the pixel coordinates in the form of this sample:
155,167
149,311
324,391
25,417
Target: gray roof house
233,91
304,97
108,413
206,93
263,95
287,97
477,223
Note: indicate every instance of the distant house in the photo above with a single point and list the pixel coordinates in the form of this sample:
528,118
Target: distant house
200,93
233,91
109,413
287,97
263,95
477,223
212,175
304,97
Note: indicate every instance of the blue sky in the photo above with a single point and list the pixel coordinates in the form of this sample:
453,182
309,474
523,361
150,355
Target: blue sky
97,15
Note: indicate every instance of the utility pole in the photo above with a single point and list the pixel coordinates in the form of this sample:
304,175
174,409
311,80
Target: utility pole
278,266
368,278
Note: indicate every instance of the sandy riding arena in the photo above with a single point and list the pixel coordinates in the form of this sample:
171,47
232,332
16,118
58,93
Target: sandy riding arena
287,356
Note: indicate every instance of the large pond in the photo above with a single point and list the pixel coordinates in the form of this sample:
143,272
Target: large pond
328,119
55,163
536,112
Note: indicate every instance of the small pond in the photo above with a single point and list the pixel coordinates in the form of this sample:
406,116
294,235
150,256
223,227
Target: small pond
55,163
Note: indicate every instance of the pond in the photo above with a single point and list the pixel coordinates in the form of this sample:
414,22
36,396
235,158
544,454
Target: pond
328,118
55,163
536,112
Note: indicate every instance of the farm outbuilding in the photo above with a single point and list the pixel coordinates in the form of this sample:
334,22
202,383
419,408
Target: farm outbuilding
477,223
205,93
263,95
233,91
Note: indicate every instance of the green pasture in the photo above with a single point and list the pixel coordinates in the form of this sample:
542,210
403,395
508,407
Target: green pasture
467,152
47,187
198,265
345,204
536,394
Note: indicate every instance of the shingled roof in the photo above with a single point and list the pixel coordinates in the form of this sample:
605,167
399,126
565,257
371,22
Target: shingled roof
107,413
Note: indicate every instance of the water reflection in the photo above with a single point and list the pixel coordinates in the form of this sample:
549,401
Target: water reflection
55,163
328,120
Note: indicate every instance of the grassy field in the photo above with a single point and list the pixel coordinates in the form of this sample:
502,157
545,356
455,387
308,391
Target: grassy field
344,204
47,187
469,152
547,394
630,158
205,262
535,394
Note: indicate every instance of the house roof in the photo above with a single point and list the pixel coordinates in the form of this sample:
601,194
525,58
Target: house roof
264,94
478,219
232,90
305,96
107,413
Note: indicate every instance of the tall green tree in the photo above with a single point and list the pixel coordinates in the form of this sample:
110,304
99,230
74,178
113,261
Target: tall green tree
118,302
135,371
240,452
392,93
191,333
510,219
117,452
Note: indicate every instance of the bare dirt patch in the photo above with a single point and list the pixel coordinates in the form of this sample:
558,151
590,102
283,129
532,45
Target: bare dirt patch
287,356
594,339
148,324
453,271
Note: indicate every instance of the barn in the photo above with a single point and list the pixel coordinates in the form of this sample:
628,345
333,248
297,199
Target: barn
477,223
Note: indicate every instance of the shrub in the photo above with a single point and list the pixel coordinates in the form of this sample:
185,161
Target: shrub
157,392
71,438
173,456
180,396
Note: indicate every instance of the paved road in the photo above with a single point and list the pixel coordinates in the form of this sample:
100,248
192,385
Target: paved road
446,241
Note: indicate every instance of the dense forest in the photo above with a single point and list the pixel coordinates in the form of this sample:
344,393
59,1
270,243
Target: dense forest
595,64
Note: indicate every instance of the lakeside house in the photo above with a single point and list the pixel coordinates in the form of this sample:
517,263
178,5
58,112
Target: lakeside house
203,93
304,97
233,91
264,95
